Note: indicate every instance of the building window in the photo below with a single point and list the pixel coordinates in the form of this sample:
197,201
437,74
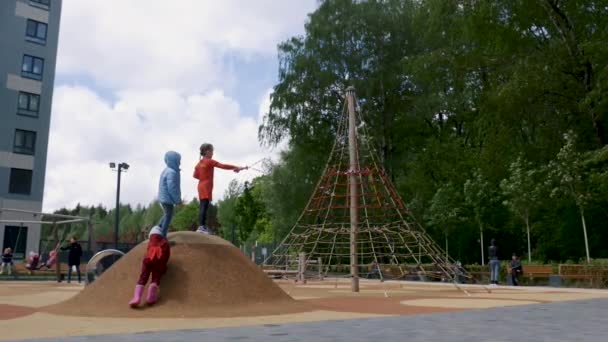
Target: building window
32,67
44,4
35,31
25,142
28,104
20,182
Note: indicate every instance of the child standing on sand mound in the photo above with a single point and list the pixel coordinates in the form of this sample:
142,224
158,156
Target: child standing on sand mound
203,171
155,265
169,189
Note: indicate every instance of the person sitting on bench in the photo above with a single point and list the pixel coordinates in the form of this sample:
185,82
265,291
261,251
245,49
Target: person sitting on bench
515,269
374,271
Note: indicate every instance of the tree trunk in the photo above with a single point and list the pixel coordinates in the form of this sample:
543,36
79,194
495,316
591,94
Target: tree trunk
585,232
528,231
483,259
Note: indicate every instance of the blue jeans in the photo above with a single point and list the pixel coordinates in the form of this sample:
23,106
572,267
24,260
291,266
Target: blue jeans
166,219
494,269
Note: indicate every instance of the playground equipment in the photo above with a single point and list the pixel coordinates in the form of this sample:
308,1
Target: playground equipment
55,220
100,262
355,218
305,269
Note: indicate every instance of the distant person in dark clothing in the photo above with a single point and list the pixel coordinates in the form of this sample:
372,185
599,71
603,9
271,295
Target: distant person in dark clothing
73,257
515,269
494,262
374,270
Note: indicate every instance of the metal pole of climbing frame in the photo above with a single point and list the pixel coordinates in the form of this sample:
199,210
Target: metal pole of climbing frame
92,237
352,180
57,263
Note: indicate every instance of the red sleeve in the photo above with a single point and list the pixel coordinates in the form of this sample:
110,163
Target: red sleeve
225,166
215,163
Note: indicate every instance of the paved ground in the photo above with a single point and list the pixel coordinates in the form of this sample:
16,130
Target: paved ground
389,311
584,320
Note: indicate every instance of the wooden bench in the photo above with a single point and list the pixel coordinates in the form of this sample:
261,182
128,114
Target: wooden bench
63,269
580,272
536,271
410,272
479,275
392,271
278,273
281,272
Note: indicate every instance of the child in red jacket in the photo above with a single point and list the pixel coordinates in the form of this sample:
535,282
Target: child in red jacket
155,264
203,171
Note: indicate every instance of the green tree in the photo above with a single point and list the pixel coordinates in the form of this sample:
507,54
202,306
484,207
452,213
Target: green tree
187,216
445,212
153,214
247,211
570,178
445,87
479,194
522,191
226,211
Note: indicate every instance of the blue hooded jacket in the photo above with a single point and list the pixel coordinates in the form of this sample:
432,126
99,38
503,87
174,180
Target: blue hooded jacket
169,185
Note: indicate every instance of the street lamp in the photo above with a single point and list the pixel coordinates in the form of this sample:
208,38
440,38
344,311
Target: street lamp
121,167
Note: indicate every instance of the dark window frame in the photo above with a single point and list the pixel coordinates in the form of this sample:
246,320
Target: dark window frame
28,111
20,142
34,38
20,189
18,242
29,73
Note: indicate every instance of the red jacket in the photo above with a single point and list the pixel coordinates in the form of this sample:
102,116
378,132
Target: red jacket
158,252
155,260
203,171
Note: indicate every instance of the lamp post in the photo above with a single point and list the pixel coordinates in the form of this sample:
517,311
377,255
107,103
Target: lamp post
121,167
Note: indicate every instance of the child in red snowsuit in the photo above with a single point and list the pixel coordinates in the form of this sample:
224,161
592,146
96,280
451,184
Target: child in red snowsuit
203,171
154,264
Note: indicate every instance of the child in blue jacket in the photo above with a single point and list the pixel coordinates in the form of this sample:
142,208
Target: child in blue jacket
169,193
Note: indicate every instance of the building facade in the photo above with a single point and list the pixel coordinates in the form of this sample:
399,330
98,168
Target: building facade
29,31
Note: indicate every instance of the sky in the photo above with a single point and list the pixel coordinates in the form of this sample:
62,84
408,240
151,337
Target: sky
138,78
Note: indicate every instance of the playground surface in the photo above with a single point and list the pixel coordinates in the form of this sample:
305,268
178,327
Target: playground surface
420,310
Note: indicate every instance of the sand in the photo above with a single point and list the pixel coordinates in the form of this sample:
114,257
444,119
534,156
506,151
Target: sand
207,277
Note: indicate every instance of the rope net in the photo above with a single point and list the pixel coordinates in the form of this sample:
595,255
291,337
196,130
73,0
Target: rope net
390,243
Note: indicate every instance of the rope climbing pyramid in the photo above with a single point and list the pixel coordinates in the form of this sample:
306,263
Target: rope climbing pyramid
356,211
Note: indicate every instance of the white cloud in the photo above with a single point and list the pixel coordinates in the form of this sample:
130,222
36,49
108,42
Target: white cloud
166,65
178,44
87,133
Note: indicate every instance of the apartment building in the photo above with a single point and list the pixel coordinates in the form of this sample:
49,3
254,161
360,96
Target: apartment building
29,32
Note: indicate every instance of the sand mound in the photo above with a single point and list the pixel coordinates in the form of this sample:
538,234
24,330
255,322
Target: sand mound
207,277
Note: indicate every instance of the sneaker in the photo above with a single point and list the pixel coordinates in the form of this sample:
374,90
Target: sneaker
202,229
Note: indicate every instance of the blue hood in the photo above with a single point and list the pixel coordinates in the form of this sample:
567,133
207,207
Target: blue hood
172,159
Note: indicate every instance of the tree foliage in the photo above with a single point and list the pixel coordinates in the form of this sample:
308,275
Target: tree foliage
468,95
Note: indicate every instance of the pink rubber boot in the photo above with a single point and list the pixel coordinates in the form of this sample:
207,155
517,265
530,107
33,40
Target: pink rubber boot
139,290
152,294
